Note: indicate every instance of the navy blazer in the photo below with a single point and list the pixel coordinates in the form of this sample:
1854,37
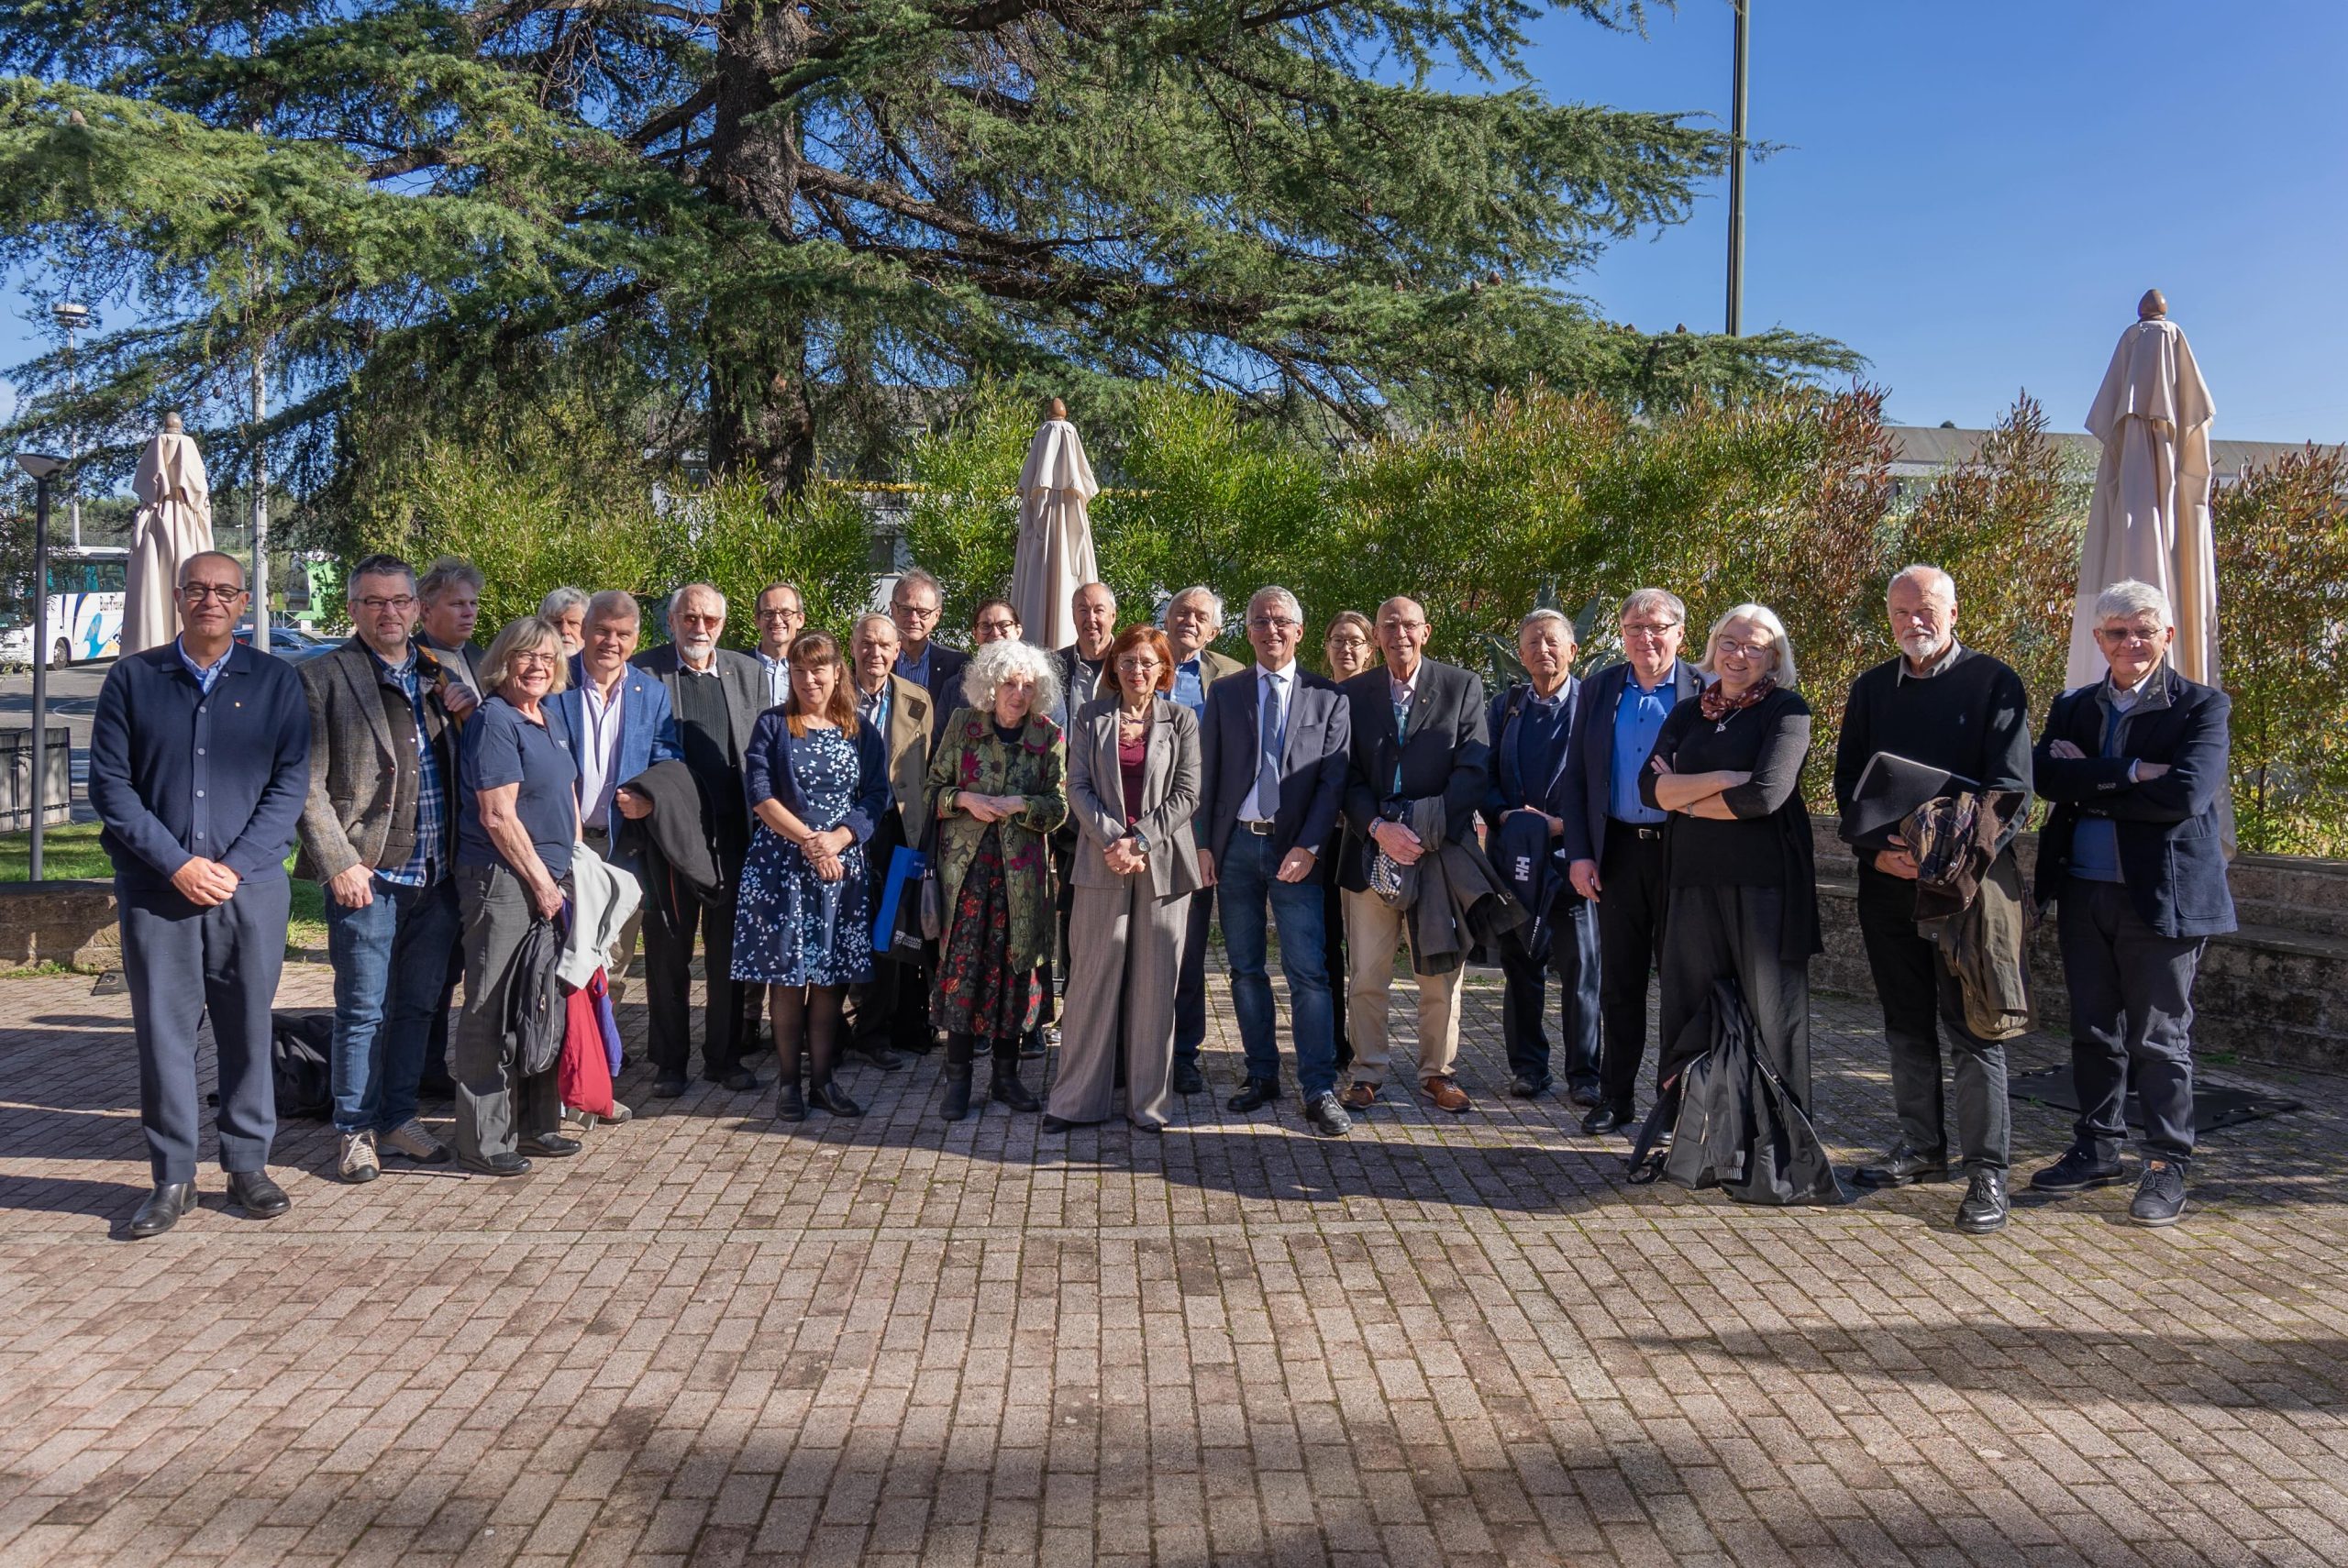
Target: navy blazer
1508,792
1589,755
1314,758
1447,753
945,682
157,740
2172,852
647,727
766,775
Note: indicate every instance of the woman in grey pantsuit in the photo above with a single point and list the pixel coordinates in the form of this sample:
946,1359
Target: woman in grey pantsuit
1133,778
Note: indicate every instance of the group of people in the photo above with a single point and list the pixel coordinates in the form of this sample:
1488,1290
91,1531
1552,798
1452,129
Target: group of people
887,843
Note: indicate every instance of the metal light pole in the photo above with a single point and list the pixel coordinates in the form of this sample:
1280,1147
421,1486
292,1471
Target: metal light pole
42,468
260,511
1736,176
72,318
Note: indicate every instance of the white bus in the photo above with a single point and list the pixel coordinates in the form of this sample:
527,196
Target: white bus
86,605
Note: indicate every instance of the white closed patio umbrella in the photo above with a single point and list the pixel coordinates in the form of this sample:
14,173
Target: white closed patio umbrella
2149,517
175,522
1055,555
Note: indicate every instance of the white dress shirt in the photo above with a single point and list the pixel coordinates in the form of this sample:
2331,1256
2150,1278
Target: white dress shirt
1251,809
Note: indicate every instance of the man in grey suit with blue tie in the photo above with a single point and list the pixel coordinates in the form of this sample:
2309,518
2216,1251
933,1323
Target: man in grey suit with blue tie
1274,751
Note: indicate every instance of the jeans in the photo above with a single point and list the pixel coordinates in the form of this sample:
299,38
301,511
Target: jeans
1247,888
386,983
2131,1018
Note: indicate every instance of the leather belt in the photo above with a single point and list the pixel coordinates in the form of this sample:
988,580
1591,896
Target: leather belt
1637,830
1261,829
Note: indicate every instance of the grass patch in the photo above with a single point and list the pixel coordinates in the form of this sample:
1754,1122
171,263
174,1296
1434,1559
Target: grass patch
72,853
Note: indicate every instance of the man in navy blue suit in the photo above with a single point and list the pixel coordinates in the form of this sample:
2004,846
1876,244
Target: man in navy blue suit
199,764
1273,751
619,723
2135,856
915,604
1613,841
1531,729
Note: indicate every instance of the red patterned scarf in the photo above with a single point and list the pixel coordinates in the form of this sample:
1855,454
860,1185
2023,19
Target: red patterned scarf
1717,704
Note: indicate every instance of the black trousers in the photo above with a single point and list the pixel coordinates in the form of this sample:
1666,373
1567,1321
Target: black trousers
1570,952
1632,897
668,981
1729,933
1190,980
1332,954
2132,1017
181,961
1922,1001
892,1009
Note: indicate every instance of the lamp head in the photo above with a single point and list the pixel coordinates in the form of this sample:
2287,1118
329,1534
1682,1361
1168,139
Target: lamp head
39,464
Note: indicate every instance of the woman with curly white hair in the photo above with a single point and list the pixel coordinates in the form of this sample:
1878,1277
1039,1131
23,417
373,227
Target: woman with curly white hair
996,789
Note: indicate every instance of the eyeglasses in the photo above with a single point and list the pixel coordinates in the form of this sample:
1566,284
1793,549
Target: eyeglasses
197,592
915,611
536,660
1139,666
999,628
1749,650
783,614
1349,642
376,604
2123,636
1651,629
1272,624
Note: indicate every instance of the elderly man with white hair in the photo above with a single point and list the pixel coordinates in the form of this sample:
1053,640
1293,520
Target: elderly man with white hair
1954,709
716,696
1193,620
2134,855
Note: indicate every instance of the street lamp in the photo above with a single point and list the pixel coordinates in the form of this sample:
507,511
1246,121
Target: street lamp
42,468
1736,172
72,318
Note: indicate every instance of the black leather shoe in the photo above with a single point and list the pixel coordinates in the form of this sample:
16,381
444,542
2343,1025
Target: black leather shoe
552,1146
669,1086
1186,1078
1905,1166
1325,1115
1031,1044
258,1196
1984,1208
507,1163
162,1210
2077,1171
1006,1089
741,1080
828,1095
1521,1088
876,1053
1609,1119
1054,1124
2160,1194
788,1105
1255,1094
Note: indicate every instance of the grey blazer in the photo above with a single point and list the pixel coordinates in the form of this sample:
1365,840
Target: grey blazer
1169,795
353,772
738,673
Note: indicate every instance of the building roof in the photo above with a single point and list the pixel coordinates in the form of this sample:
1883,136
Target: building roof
1921,449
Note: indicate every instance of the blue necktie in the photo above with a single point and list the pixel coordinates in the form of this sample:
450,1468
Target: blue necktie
1268,751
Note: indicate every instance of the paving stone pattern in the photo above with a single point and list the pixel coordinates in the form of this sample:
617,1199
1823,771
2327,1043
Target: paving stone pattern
1443,1340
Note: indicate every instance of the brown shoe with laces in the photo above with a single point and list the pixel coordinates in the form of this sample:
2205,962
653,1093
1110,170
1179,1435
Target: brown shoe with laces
1447,1094
1360,1095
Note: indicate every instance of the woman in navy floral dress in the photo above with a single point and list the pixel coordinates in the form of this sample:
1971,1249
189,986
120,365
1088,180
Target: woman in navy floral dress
817,776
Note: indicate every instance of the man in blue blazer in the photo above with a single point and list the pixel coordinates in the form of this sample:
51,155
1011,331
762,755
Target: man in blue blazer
2134,854
1531,730
1613,842
915,604
199,766
619,723
1273,752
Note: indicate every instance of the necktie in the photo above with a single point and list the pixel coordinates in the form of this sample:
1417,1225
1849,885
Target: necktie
1268,749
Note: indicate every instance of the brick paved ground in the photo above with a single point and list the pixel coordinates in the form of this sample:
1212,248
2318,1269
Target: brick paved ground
892,1342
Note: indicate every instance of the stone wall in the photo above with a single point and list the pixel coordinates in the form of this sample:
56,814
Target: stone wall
2276,991
59,922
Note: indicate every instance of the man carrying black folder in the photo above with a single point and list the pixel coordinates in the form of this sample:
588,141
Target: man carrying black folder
1950,709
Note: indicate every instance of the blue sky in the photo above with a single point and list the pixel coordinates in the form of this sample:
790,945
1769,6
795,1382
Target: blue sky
1973,194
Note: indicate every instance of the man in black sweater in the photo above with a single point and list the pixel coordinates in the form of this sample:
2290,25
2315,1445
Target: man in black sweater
1948,707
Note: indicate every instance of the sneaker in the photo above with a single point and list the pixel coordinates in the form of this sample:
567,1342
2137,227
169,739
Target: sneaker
411,1142
1446,1093
2160,1194
2077,1171
357,1162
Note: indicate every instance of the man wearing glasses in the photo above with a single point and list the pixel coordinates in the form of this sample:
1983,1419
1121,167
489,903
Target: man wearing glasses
1613,840
914,606
1273,755
782,616
199,762
1193,620
376,834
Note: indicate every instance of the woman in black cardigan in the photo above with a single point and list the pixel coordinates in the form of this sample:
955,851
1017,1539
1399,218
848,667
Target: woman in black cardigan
1727,766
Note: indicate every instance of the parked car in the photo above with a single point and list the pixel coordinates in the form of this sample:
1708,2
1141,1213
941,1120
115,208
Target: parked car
290,644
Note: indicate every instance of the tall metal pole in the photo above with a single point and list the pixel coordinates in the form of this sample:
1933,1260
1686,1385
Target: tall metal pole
74,435
40,666
260,511
1737,177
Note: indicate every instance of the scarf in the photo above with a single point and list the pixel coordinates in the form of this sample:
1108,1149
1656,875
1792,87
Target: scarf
1716,704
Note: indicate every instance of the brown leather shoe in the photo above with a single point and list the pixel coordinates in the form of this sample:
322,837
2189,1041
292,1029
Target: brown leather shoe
1447,1094
1360,1095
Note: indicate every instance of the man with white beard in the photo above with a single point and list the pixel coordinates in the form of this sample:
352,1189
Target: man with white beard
1950,708
716,695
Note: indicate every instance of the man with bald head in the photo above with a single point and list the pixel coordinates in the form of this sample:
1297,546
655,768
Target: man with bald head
1421,752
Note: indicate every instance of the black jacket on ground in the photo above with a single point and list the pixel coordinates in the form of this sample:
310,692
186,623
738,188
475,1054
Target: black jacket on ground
1734,1124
